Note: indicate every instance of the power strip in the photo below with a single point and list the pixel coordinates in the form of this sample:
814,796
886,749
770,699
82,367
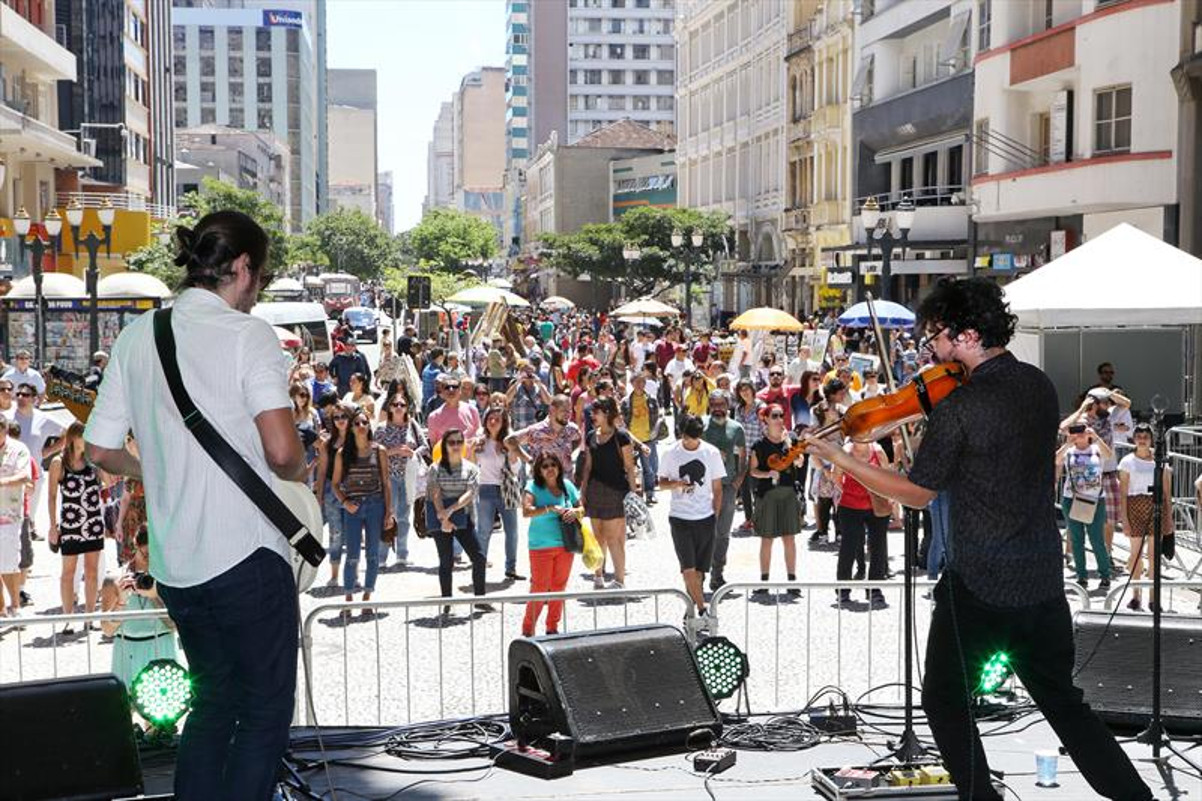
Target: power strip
834,724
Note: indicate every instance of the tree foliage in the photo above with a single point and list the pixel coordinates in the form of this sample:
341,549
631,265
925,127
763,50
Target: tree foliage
156,259
598,249
351,242
447,240
215,195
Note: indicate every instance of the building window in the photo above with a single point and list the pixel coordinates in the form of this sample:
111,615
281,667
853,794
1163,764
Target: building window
181,91
1112,120
573,77
235,66
263,39
1043,136
263,67
617,102
617,4
179,38
208,66
181,116
592,77
617,77
984,20
642,3
665,77
592,51
590,102
667,52
592,25
265,118
617,52
237,92
208,92
642,77
867,9
234,37
980,142
179,65
615,26
263,95
1049,14
208,115
955,168
641,52
641,103
665,103
206,37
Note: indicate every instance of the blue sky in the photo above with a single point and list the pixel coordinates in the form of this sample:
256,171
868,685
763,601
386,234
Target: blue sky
420,50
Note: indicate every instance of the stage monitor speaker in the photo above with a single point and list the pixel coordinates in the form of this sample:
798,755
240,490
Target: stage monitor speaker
610,691
71,739
1117,680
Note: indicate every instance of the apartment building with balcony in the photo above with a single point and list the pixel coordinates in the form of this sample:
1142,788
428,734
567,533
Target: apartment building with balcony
33,151
912,95
732,130
120,105
817,216
1074,125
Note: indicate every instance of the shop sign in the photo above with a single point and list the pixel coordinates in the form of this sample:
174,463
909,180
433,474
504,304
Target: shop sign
1003,261
839,278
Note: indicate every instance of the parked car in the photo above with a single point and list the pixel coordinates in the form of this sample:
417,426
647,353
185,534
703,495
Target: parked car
363,322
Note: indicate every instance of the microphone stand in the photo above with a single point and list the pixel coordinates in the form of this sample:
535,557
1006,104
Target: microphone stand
907,748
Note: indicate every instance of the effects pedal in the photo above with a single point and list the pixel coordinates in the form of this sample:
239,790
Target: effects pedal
527,759
714,760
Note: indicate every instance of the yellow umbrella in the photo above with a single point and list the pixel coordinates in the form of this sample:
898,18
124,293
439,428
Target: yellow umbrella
645,307
484,295
765,318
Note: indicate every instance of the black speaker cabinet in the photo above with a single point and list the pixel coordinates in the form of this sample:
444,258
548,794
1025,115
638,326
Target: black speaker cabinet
610,691
1118,679
67,739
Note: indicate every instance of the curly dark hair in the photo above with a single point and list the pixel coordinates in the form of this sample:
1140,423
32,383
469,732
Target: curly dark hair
970,304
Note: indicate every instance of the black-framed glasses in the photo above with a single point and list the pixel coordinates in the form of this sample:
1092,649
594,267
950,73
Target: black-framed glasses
26,394
362,424
928,342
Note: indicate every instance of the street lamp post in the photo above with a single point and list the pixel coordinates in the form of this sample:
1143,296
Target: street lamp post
880,227
37,247
92,243
697,239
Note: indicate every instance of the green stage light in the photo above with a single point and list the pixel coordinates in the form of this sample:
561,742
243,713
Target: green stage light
723,667
994,673
162,693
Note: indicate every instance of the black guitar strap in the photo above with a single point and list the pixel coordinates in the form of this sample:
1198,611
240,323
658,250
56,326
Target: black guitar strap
230,462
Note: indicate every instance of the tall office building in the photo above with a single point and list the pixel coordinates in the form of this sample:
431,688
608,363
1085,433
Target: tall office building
118,104
353,148
479,134
254,69
440,161
731,132
384,211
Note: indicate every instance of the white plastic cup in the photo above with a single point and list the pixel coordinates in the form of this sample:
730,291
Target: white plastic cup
1045,768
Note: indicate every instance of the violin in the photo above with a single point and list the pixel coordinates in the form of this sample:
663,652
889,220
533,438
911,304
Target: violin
874,418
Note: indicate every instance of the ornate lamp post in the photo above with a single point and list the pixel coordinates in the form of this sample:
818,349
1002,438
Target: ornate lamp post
881,227
696,239
91,243
54,227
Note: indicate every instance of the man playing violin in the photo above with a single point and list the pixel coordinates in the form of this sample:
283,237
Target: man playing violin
991,446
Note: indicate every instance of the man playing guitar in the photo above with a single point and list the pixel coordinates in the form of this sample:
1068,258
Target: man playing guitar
222,568
991,445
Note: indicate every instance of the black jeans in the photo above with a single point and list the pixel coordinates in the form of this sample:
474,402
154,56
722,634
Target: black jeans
466,537
1039,640
239,631
857,526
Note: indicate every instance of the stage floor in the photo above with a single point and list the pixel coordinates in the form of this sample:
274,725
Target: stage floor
757,775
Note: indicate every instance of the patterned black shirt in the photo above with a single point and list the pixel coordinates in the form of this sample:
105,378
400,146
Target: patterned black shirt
992,445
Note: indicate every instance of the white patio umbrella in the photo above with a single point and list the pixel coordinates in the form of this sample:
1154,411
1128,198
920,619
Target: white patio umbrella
646,307
557,302
484,295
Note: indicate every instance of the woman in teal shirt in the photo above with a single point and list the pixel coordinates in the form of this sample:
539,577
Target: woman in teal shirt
548,499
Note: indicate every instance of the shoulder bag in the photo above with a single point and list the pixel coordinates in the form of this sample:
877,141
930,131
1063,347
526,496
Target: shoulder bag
308,551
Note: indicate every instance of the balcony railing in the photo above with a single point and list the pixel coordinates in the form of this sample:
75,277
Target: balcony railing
127,201
801,38
797,219
950,195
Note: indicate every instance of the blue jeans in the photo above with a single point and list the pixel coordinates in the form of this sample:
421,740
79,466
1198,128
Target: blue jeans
332,511
650,464
489,504
941,528
401,509
239,631
369,517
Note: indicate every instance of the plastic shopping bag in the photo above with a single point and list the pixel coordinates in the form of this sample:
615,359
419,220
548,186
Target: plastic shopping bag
591,556
639,525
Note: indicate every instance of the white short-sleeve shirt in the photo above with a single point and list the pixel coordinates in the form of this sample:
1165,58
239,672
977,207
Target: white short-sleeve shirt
200,522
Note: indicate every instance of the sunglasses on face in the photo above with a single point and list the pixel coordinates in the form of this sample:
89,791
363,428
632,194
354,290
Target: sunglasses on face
6,389
399,405
454,443
451,388
339,418
776,375
776,416
25,394
362,424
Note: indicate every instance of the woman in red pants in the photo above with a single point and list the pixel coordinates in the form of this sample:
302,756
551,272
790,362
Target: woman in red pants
549,499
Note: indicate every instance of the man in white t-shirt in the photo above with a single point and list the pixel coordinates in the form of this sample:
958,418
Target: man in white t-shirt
693,470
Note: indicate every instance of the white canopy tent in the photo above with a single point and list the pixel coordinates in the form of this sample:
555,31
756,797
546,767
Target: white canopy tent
1124,277
1124,297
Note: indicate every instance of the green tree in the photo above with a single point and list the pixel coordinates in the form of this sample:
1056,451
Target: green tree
447,240
598,249
217,195
352,242
305,250
157,259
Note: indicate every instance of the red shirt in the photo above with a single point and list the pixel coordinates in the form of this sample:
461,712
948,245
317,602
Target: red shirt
664,353
703,352
782,396
855,495
576,364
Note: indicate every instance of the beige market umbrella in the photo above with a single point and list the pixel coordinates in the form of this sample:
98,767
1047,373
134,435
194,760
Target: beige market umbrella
765,318
557,302
484,295
645,307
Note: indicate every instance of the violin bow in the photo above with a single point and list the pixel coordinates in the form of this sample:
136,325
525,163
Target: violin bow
884,351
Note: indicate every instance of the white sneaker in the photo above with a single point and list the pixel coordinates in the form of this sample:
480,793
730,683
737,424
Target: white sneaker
614,585
598,582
